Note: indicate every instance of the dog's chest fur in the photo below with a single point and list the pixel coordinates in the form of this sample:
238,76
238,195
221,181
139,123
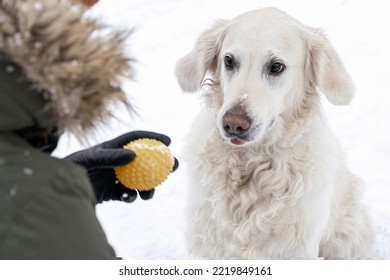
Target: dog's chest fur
244,197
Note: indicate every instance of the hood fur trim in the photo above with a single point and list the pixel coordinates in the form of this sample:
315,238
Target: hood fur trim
68,55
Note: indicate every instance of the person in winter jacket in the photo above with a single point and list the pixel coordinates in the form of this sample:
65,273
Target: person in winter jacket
59,71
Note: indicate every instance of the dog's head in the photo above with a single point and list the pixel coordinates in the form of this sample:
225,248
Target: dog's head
263,63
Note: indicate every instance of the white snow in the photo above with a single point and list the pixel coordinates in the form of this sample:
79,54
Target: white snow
38,6
166,30
9,68
28,171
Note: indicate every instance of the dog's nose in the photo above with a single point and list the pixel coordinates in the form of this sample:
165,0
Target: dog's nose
235,123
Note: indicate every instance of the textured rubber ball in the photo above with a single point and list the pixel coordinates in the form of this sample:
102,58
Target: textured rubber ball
152,165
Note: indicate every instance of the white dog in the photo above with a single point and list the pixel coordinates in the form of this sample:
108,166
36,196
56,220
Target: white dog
268,178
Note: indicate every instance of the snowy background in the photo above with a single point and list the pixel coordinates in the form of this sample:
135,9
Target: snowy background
165,30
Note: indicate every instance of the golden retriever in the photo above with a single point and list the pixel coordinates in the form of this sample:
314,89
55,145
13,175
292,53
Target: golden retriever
268,179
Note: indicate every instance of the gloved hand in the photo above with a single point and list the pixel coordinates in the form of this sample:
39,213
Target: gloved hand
100,160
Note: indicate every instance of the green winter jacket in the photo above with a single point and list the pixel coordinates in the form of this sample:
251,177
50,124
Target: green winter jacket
47,205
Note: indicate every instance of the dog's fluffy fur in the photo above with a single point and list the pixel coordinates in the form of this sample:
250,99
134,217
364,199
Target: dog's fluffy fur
268,179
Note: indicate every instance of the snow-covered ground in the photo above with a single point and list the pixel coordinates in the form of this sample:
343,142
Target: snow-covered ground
164,31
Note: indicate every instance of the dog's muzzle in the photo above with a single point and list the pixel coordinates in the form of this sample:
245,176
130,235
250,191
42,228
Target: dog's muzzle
236,126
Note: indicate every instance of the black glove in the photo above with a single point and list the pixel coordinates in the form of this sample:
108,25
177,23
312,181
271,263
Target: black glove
100,160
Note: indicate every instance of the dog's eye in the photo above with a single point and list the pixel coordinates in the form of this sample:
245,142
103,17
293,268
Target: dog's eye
229,62
277,68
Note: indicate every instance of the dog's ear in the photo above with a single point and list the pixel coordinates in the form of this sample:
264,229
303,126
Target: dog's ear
192,68
325,69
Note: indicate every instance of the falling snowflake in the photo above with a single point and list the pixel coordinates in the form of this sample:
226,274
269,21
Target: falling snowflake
18,39
38,6
12,191
10,69
28,171
38,45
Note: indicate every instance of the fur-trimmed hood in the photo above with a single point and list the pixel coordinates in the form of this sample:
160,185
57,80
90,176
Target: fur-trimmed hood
69,56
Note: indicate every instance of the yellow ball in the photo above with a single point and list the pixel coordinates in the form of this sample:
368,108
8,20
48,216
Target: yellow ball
152,165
